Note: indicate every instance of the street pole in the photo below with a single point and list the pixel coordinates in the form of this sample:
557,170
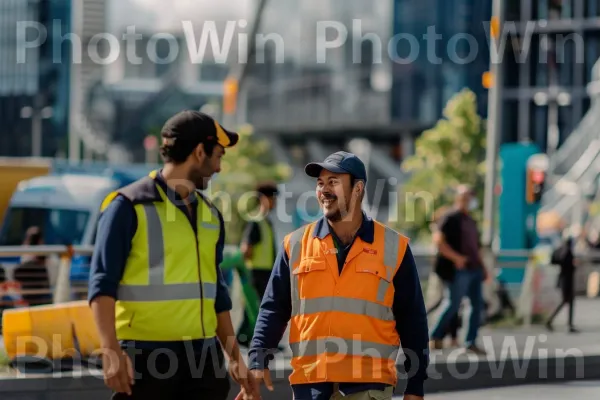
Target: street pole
36,127
75,86
494,126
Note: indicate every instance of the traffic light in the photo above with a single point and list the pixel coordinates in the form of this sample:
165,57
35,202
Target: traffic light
230,94
535,185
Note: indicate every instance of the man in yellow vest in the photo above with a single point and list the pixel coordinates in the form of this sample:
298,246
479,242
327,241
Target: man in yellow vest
156,290
348,286
258,248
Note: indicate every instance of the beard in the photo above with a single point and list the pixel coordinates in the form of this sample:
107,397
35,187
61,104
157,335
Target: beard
199,176
336,211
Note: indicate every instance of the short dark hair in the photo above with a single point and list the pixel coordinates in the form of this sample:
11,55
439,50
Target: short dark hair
179,151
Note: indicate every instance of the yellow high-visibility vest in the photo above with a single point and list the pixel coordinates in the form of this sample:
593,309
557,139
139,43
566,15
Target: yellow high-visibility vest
263,254
169,286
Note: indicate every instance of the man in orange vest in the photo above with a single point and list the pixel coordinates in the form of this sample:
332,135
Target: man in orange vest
350,288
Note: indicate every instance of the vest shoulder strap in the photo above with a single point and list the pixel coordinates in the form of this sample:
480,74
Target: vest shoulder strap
293,243
210,205
141,191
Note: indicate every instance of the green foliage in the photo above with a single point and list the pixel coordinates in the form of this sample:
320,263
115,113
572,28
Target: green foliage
243,166
450,153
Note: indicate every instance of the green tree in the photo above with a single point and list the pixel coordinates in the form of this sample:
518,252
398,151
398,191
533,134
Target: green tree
450,153
249,162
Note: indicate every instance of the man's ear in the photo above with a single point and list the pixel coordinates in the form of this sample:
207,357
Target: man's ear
359,188
199,151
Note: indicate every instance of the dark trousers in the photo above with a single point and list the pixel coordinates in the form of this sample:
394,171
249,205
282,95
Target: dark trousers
567,285
454,326
260,280
164,374
466,283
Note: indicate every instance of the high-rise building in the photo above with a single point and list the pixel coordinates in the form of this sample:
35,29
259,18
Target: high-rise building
558,42
41,85
34,87
343,69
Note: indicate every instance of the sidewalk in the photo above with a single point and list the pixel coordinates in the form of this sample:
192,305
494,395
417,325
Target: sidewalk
515,357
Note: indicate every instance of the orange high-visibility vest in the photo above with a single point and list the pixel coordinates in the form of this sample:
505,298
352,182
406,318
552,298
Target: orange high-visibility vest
342,325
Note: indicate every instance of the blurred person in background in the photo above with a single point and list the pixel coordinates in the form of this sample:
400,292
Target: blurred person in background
348,285
156,289
461,264
440,284
565,258
258,245
32,272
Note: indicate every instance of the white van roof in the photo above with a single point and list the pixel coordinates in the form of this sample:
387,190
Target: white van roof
63,191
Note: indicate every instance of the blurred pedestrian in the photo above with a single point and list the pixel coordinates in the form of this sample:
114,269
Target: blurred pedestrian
441,284
259,250
349,289
32,272
565,258
156,289
461,265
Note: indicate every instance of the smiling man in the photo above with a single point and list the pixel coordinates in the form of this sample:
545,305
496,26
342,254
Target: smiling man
349,287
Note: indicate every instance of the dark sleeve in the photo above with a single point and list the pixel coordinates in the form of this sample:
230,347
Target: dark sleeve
251,234
274,314
116,227
411,323
446,224
223,300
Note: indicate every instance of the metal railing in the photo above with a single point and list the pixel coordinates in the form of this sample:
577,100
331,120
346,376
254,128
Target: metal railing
65,288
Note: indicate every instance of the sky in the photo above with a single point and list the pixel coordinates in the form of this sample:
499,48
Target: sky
166,15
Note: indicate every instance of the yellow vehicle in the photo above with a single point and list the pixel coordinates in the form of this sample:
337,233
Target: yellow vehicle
16,169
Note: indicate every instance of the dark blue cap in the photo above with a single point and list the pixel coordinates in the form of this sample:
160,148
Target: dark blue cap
339,163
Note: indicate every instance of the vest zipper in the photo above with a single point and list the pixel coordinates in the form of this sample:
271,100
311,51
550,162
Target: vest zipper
200,280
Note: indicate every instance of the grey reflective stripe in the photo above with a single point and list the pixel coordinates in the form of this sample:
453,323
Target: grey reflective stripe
173,291
344,346
156,246
157,289
295,250
391,248
343,304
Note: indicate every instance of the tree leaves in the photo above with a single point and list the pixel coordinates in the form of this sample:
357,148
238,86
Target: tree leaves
245,165
450,153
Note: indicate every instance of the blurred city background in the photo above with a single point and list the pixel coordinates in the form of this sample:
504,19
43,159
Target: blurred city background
502,95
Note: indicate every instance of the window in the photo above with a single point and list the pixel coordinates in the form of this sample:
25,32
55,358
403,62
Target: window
213,72
591,9
59,226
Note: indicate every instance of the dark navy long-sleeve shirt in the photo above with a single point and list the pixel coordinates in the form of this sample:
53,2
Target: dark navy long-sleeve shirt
408,308
116,226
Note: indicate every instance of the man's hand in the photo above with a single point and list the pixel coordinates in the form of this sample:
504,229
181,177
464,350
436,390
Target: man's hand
259,376
118,370
461,262
250,389
412,397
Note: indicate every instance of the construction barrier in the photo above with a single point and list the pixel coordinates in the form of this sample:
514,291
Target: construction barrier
55,331
67,329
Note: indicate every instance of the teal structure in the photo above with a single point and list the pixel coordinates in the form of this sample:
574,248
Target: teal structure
517,222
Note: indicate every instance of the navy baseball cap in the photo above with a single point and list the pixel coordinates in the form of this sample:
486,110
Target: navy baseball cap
339,163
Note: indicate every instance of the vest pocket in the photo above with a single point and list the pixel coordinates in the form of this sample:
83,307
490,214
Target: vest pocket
308,275
379,271
310,264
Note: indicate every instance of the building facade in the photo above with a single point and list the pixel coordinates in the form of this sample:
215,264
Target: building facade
547,67
45,91
34,87
381,79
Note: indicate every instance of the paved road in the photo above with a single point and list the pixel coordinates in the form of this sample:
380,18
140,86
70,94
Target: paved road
572,390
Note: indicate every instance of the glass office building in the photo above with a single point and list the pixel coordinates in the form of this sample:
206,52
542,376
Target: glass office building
36,81
550,84
315,72
442,47
382,81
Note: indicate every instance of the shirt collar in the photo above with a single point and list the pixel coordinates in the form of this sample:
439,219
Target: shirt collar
366,232
171,194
